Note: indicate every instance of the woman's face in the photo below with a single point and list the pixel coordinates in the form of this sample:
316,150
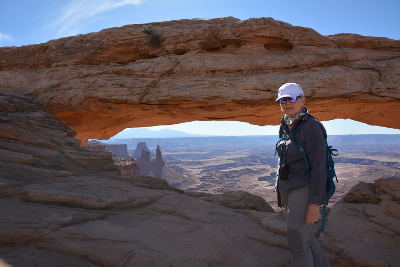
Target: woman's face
292,109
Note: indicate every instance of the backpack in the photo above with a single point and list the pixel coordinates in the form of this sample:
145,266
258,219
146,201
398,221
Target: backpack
330,167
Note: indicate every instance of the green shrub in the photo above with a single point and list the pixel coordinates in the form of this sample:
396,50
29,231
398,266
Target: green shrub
155,39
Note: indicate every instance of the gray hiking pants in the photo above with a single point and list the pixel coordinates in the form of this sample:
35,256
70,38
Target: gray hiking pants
302,243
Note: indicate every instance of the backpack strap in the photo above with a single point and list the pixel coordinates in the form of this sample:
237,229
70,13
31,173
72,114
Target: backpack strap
323,220
277,143
298,144
329,165
284,135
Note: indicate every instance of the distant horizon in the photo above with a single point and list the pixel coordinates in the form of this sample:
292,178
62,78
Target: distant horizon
224,128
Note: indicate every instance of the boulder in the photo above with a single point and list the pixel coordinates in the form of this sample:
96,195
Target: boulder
362,192
365,232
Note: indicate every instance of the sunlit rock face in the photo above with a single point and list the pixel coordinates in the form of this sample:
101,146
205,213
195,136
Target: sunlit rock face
62,205
218,69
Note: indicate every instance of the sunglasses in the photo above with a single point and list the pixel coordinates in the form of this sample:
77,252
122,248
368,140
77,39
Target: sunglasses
284,100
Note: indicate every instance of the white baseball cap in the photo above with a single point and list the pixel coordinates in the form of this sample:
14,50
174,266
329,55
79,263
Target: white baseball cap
290,90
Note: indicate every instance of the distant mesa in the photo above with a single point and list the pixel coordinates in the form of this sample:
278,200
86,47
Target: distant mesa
138,151
136,165
150,167
118,150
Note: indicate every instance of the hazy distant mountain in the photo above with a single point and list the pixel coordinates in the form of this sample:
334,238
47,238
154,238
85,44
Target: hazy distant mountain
355,139
169,138
135,133
146,133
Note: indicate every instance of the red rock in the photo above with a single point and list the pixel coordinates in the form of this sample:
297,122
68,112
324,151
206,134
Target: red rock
127,166
218,69
64,205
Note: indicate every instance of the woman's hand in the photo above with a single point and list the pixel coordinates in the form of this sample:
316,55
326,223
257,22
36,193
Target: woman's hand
313,214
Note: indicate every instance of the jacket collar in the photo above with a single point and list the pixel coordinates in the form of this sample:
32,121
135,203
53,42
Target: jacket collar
303,117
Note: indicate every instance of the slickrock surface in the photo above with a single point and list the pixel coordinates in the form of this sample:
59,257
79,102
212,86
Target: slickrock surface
218,69
62,205
364,229
235,199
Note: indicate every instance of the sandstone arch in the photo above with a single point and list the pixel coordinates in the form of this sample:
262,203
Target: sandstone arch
218,69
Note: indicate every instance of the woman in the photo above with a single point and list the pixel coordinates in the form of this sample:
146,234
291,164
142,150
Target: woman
301,188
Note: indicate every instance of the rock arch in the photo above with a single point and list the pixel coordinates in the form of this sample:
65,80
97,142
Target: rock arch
219,69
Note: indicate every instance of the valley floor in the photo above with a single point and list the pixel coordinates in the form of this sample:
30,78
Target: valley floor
228,167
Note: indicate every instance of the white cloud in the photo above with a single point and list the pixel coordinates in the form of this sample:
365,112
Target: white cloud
78,12
5,37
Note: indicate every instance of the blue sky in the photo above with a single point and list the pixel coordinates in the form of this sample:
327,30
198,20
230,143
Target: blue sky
24,22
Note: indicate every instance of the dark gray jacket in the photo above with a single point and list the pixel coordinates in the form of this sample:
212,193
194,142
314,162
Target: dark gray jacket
312,136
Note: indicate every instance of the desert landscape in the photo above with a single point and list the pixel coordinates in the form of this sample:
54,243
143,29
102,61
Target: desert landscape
65,205
220,164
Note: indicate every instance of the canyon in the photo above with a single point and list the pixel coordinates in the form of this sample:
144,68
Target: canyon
64,205
215,165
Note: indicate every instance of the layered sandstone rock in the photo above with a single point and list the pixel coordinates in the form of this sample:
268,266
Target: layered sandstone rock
63,205
218,69
364,228
127,166
96,146
235,199
34,144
